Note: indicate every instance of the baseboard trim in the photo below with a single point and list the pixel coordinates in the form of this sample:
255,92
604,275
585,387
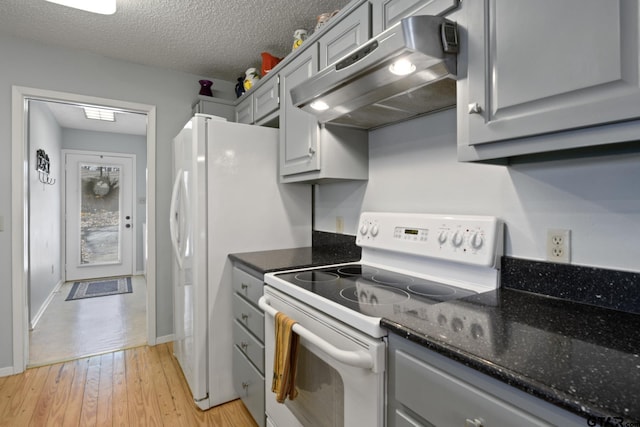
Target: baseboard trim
165,339
44,306
5,372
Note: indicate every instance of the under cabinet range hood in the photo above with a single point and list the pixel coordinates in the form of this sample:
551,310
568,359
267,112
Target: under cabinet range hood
408,70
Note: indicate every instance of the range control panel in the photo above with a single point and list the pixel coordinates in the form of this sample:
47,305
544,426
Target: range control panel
462,238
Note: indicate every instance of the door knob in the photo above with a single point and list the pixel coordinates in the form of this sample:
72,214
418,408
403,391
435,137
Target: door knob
127,217
128,225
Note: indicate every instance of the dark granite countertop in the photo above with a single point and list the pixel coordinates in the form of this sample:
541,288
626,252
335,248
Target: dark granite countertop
327,249
581,357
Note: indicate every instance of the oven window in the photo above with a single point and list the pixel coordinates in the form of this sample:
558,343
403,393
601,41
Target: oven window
320,400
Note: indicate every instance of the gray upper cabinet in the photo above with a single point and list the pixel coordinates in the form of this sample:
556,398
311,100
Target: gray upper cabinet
244,110
385,13
266,98
345,36
550,76
298,129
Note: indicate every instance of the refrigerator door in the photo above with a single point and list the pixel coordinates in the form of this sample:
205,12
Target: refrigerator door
248,210
189,237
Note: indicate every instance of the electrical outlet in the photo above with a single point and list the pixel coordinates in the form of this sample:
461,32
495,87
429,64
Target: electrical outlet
559,245
339,225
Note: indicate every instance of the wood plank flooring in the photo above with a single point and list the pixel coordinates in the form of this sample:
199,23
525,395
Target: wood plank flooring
141,386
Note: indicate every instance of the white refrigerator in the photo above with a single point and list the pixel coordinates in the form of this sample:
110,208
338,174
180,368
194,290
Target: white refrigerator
226,198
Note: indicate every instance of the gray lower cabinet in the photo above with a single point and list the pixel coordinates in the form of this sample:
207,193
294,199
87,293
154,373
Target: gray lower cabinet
248,342
548,77
428,389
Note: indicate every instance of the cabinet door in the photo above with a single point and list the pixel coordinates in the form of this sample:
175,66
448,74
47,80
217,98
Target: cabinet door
385,13
298,129
345,36
244,110
265,98
538,67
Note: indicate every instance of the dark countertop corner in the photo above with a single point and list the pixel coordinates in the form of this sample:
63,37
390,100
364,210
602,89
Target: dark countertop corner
326,249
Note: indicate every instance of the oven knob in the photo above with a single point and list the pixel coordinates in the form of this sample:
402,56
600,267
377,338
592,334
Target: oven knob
456,324
442,237
374,230
476,331
477,241
364,228
457,239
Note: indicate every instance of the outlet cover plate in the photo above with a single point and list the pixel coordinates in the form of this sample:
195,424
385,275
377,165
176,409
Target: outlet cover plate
559,245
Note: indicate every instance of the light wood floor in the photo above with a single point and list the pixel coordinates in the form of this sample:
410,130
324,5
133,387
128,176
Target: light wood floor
71,329
142,386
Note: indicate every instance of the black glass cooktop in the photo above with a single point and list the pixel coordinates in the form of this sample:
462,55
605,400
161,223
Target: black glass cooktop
371,290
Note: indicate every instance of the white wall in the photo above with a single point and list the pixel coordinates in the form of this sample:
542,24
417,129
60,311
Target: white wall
413,168
77,139
35,65
44,208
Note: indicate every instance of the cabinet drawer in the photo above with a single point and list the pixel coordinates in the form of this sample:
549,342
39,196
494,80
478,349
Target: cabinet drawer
249,345
249,316
266,98
405,420
345,36
249,384
247,285
445,400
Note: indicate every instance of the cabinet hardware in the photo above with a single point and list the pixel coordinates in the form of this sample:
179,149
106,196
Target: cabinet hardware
245,317
245,385
244,286
312,151
475,108
244,345
476,422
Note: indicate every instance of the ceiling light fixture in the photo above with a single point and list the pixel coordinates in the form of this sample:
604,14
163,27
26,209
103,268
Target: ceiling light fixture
103,7
99,114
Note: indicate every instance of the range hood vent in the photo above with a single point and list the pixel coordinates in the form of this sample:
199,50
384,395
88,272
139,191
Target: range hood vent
406,71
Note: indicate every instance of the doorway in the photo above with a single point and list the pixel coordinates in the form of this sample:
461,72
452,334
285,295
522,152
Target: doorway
98,203
20,196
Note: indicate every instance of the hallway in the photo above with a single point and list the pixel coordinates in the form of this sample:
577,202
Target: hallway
72,329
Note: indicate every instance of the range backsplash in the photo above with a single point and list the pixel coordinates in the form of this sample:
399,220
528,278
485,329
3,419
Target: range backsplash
617,290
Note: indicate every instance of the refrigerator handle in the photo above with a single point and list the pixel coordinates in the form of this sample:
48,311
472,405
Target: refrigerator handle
173,217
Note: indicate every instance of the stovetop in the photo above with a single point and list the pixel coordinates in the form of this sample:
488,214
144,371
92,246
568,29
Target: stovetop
369,290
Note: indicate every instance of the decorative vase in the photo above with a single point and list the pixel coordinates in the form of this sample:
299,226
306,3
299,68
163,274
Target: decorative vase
240,87
205,87
251,78
299,36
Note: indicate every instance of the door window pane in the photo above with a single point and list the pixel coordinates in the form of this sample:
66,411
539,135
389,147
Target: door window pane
320,400
99,214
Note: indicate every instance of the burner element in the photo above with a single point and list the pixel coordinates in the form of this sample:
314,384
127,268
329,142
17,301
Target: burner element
432,290
392,279
350,270
374,294
316,276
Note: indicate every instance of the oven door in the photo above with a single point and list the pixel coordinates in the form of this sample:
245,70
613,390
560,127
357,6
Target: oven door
340,373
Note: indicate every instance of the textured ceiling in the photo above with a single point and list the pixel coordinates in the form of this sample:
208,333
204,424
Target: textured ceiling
213,38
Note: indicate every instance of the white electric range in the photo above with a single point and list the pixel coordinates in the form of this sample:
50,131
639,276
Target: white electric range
409,263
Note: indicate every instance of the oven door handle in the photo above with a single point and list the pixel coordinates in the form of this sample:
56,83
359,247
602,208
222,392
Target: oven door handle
359,358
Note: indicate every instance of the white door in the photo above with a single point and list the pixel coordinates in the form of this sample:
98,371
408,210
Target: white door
99,215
